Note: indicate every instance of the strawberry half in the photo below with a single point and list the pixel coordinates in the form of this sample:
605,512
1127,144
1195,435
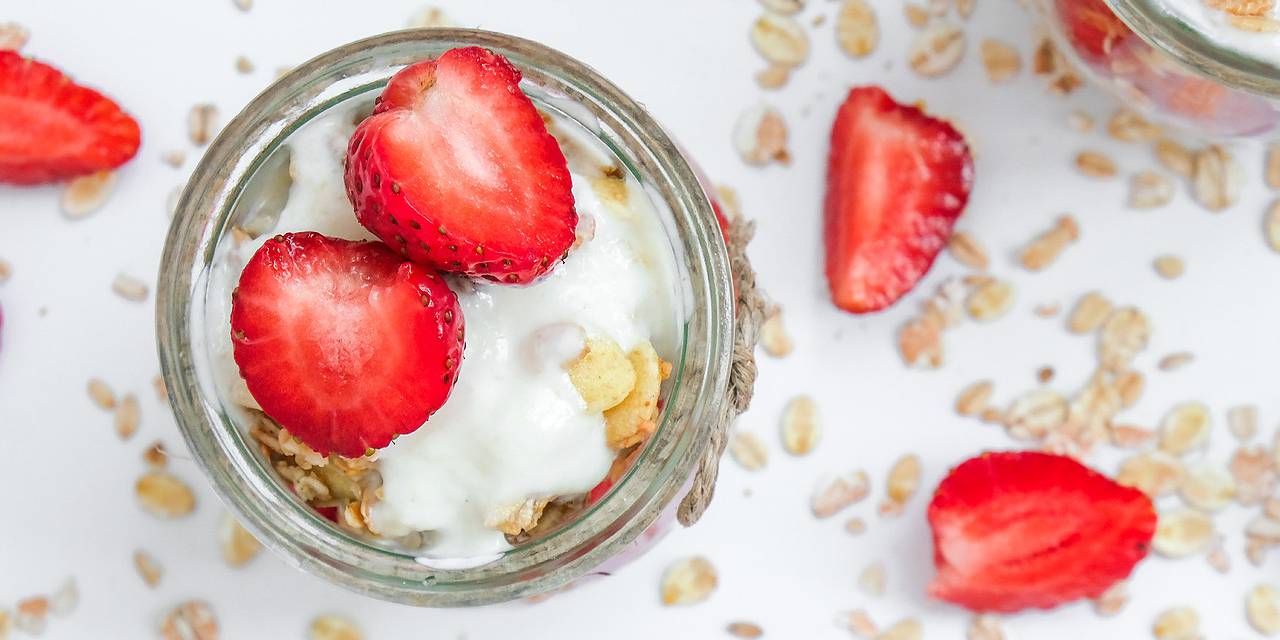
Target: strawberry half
1018,530
455,169
896,182
52,128
343,343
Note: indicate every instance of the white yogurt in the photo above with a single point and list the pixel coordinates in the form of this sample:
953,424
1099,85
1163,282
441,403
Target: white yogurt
1216,25
515,427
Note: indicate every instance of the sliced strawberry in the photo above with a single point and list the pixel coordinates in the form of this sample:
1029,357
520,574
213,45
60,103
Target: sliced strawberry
343,343
52,128
455,169
1093,30
896,182
1018,530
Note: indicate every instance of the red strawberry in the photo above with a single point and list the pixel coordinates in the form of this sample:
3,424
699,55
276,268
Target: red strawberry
896,182
1093,30
52,128
1018,530
455,169
343,343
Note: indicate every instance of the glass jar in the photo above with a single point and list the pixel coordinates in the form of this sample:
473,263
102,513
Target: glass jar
639,507
1167,67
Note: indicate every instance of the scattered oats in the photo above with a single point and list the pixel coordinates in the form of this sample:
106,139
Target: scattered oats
1036,413
129,288
65,599
155,456
688,581
920,342
237,545
127,417
974,398
1179,623
909,629
1047,310
1271,508
1047,246
1154,473
33,614
1184,428
773,334
244,64
748,450
1263,530
1124,335
833,494
13,37
967,250
1148,190
1182,532
1169,267
1272,169
1128,126
1113,600
857,30
855,526
964,8
331,627
1271,226
1044,375
1207,487
163,495
760,136
191,620
1255,474
1217,557
1217,178
174,158
6,270
1130,385
747,630
243,5
1175,361
990,301
872,579
1242,421
6,623
87,194
1263,608
1175,157
148,568
917,16
428,18
985,627
936,50
773,76
800,429
1000,60
101,394
200,123
1128,436
904,479
991,415
1096,165
1080,121
859,623
780,39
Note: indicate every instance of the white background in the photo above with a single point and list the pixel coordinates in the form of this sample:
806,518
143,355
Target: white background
69,507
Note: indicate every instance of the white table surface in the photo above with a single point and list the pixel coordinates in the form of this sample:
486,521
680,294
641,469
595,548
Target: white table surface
70,510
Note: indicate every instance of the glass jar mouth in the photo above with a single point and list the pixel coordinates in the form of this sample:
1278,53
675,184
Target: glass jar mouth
1194,49
700,374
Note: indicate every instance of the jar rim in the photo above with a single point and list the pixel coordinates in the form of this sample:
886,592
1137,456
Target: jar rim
1193,49
652,485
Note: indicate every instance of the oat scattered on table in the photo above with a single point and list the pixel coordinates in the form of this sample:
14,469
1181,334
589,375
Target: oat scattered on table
872,579
244,65
1148,190
101,394
936,50
1217,178
127,417
745,630
1182,532
1000,60
748,451
760,136
1045,248
774,338
974,398
1175,157
1127,126
857,29
86,194
190,620
1271,226
909,629
990,301
200,123
163,495
1169,267
129,288
333,627
1096,164
1175,361
800,428
237,545
1242,422
1272,169
834,494
985,627
1113,600
859,624
902,483
688,581
1179,623
967,250
1262,606
148,568
1080,121
13,36
780,39
1185,428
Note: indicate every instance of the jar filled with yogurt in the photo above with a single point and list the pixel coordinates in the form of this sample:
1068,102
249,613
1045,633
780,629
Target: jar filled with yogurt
579,392
1209,66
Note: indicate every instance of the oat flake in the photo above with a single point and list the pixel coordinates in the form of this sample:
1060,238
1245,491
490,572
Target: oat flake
773,76
244,65
65,600
163,495
331,627
1263,608
101,394
32,615
833,494
1271,226
155,456
857,30
1080,121
148,568
1175,157
785,7
1272,169
191,620
1179,623
1129,385
1254,471
1036,413
1123,336
13,37
780,39
129,288
237,545
1127,436
1096,165
760,136
859,624
967,250
800,428
86,194
1169,267
773,335
855,526
1175,361
904,479
909,629
746,630
748,451
1207,487
688,581
1113,600
1182,532
1047,246
1148,190
872,579
1154,473
1000,60
936,50
200,123
1217,178
974,398
1127,126
990,301
127,416
985,627
1089,313
1242,421
1184,428
917,16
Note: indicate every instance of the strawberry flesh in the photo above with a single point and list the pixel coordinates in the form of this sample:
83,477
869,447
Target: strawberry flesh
344,343
897,180
1023,530
53,129
455,169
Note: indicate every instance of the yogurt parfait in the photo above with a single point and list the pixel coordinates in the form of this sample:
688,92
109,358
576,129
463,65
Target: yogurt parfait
447,318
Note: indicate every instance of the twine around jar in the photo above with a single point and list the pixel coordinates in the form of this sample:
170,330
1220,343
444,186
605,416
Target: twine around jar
749,313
